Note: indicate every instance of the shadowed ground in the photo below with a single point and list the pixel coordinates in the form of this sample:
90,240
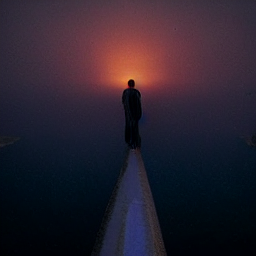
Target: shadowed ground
130,225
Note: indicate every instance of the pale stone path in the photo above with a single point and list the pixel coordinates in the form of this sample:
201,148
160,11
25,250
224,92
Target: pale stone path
130,226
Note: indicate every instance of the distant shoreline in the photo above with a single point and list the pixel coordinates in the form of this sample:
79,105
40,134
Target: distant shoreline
7,140
251,141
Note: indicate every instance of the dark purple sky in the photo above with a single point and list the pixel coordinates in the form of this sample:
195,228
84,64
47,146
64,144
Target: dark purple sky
63,67
196,55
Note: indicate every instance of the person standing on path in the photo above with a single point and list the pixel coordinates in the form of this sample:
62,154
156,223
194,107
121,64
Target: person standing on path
131,100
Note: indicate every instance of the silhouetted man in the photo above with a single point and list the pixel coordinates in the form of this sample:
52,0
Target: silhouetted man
132,106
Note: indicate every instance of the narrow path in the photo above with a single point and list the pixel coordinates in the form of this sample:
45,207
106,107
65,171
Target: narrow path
130,226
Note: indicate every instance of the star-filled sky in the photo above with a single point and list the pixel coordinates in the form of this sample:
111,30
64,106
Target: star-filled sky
65,63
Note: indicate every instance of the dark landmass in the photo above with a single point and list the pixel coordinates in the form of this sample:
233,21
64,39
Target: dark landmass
251,141
7,140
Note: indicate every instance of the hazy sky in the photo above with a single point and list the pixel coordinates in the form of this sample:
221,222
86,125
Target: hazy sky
106,43
57,49
63,68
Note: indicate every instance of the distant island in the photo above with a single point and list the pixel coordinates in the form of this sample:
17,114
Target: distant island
7,140
252,141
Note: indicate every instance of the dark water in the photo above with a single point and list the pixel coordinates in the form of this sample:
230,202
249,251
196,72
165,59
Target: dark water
206,198
52,200
54,193
56,181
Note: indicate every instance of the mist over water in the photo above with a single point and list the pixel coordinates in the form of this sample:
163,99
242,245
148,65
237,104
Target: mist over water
56,181
63,70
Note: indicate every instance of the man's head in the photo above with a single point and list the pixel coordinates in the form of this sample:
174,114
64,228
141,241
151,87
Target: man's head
131,83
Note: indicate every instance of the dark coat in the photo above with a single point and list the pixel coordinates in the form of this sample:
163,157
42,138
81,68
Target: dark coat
132,103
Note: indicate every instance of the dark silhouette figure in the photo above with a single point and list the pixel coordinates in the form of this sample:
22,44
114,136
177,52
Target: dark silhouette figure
132,106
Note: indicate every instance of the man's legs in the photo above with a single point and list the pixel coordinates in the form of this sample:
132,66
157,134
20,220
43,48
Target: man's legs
132,137
135,134
127,132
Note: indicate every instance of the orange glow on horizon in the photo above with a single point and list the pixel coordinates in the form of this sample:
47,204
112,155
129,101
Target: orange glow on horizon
122,46
121,59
